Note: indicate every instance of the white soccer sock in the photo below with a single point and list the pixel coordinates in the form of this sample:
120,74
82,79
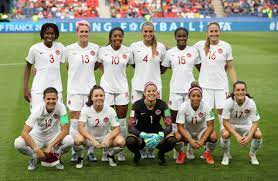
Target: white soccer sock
123,126
210,146
225,144
67,143
115,150
78,150
255,145
21,146
179,146
73,127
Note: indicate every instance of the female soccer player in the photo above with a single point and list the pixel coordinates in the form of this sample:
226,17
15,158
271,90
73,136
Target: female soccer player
181,59
145,128
241,119
215,54
147,57
46,56
195,125
94,125
45,130
81,58
115,57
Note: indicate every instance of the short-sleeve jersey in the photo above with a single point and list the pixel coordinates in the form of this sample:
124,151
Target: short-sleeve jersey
182,63
147,66
81,61
98,124
212,73
44,124
240,115
149,120
47,63
194,121
114,63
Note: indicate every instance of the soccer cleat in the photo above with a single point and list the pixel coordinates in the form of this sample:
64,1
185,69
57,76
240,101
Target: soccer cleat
79,162
226,159
104,157
162,160
189,154
208,157
60,166
181,158
143,153
121,157
151,154
112,161
136,158
253,159
91,157
32,164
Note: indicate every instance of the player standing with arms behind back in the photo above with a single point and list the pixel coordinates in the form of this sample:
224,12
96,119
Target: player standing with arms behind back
181,59
81,58
147,57
215,55
46,56
241,119
115,57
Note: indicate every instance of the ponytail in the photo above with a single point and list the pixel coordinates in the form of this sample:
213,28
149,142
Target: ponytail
154,46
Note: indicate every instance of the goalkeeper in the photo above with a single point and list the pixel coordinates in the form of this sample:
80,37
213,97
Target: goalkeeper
145,128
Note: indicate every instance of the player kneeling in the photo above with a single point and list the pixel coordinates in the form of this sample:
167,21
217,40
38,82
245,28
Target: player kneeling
45,134
145,128
241,119
94,125
195,126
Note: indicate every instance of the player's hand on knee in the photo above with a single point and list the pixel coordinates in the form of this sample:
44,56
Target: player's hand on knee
96,144
39,154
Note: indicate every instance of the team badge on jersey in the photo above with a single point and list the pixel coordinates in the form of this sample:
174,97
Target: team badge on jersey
200,114
93,53
156,53
247,111
157,112
189,55
106,119
220,50
58,52
56,116
124,56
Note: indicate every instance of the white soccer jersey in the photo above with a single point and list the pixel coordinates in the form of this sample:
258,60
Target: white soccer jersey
114,63
46,125
212,73
81,77
47,63
194,121
147,67
182,63
98,124
240,115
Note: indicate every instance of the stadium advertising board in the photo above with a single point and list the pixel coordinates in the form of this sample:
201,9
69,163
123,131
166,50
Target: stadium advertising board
161,25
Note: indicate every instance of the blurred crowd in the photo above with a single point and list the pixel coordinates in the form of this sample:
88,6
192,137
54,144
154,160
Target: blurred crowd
260,8
137,8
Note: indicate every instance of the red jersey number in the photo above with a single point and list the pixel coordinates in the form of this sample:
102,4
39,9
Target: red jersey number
145,59
115,60
85,58
51,58
181,60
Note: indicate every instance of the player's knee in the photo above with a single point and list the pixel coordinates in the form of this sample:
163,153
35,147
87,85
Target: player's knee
120,142
68,140
19,143
79,140
225,134
131,140
258,135
171,140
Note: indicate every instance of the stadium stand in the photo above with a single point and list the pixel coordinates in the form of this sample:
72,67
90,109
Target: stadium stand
137,8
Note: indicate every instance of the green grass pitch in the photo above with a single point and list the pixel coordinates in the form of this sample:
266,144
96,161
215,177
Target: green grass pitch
256,62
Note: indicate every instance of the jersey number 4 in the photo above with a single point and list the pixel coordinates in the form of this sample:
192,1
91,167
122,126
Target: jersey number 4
145,59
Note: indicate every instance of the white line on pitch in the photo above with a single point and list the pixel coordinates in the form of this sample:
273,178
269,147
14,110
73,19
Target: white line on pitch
11,64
